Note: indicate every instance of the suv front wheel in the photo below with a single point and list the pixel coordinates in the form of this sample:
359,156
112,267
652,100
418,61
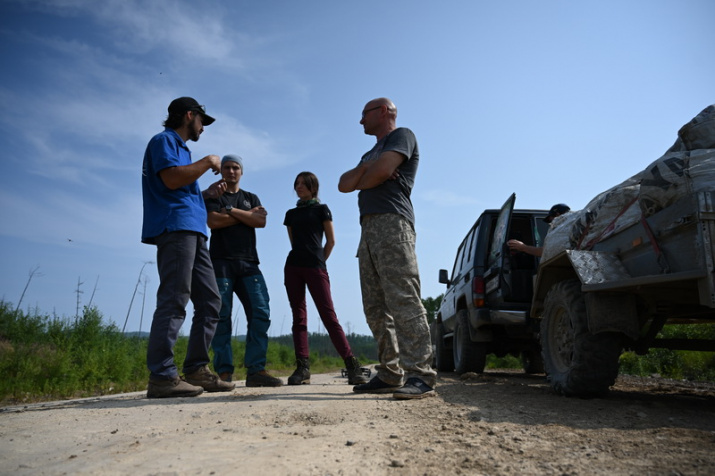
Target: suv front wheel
468,356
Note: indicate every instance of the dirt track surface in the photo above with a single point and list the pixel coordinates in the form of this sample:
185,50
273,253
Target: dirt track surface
498,423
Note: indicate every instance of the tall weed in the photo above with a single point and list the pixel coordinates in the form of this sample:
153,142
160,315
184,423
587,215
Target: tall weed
46,358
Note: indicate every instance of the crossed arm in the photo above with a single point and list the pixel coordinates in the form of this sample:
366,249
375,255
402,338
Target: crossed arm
255,218
372,173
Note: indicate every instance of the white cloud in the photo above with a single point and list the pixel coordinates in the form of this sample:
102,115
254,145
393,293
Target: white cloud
105,220
259,150
105,102
197,31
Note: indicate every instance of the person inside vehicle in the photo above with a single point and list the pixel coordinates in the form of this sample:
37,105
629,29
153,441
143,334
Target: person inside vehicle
516,245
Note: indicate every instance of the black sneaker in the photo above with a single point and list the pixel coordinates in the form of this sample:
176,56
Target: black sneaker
414,388
375,386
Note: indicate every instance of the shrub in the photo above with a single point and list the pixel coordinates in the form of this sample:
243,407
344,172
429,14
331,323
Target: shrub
44,358
675,364
47,358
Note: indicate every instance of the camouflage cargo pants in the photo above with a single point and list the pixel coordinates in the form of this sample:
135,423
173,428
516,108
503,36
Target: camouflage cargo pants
390,284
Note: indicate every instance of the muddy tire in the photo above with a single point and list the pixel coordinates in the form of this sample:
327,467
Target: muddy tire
577,363
468,356
444,361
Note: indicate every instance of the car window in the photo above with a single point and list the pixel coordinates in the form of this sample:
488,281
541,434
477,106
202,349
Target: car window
540,230
458,262
501,229
466,257
472,243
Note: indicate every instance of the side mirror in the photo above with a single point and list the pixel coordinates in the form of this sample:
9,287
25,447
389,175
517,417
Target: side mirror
443,277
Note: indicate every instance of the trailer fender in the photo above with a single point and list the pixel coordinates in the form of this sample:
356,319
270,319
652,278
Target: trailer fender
606,311
612,312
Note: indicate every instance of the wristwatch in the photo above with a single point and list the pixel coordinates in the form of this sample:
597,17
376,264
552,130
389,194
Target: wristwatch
229,208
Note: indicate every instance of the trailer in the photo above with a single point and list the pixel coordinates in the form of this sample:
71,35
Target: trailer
641,255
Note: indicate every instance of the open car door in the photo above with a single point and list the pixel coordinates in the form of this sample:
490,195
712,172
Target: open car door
499,266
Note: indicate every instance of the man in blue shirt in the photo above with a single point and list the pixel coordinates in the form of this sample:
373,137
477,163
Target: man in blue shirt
175,221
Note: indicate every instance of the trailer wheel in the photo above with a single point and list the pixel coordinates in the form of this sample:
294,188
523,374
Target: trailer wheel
444,358
577,363
468,356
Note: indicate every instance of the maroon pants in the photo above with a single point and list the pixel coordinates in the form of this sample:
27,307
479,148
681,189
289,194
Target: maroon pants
318,283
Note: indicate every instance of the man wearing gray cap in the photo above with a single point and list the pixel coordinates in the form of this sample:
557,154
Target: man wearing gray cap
233,218
175,221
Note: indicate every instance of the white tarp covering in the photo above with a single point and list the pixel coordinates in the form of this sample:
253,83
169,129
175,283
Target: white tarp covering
687,167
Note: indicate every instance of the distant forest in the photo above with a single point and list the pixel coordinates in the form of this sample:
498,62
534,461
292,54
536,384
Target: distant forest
364,347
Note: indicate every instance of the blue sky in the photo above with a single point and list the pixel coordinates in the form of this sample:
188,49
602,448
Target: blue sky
554,100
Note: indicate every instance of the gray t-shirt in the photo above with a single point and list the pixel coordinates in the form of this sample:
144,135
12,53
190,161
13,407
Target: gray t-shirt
393,196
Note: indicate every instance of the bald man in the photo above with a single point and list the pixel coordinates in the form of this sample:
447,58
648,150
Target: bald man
389,276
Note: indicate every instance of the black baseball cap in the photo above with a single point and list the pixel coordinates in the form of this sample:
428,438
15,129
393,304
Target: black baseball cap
183,104
556,210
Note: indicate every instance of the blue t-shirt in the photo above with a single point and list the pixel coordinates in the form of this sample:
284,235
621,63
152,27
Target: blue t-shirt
167,210
393,196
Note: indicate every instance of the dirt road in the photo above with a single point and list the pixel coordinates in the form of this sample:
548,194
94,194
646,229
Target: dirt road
498,423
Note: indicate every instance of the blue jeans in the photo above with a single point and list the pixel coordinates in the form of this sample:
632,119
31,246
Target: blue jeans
185,272
246,280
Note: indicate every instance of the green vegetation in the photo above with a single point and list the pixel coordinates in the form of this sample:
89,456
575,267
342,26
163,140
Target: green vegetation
432,306
675,364
321,347
48,358
44,357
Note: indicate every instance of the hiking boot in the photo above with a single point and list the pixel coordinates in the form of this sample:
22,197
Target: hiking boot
375,386
208,380
302,373
414,388
176,387
226,376
355,375
262,379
